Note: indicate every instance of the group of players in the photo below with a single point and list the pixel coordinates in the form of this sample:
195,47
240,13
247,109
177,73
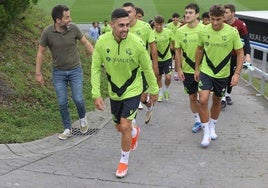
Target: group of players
136,55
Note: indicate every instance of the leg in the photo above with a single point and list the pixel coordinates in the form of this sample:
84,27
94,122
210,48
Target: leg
204,116
76,83
60,83
194,105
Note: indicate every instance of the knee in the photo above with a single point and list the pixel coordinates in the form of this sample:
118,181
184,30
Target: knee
123,128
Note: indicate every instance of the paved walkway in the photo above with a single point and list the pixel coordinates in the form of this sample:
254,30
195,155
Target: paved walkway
168,156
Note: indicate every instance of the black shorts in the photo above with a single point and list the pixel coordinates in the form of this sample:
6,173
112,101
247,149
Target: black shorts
165,67
190,85
217,85
126,108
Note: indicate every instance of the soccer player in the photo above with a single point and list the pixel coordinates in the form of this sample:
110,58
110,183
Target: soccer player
139,13
243,32
61,38
186,41
215,45
144,31
205,18
164,39
123,55
173,26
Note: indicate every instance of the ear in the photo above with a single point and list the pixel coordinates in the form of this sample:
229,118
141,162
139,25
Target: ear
58,20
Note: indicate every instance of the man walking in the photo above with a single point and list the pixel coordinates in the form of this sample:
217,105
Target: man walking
123,55
61,38
216,43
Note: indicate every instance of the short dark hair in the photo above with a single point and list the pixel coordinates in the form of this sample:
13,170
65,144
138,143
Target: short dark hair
193,6
139,10
119,13
128,4
217,10
230,6
205,15
57,11
159,19
175,15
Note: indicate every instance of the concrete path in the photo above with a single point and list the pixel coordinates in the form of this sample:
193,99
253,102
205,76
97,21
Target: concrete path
168,156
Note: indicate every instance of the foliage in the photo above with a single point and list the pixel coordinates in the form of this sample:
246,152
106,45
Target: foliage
30,111
10,11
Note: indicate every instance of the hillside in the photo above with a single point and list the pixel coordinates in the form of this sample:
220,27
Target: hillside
27,110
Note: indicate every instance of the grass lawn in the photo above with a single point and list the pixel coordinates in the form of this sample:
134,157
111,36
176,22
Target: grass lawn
84,11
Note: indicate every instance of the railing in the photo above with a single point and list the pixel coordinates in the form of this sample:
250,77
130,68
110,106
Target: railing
260,69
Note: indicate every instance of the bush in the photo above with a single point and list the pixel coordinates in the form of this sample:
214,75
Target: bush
10,11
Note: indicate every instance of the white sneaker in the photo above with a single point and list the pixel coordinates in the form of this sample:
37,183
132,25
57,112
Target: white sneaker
83,125
140,106
213,134
206,136
149,114
66,134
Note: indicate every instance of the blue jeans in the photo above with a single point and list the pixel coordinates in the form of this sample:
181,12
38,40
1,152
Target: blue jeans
61,80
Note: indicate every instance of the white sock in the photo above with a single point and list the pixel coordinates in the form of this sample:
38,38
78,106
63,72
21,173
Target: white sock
166,88
196,117
133,131
124,156
160,91
133,122
212,121
228,95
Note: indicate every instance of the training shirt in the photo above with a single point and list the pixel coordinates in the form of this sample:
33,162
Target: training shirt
106,28
62,46
218,46
163,40
144,31
123,62
173,27
186,38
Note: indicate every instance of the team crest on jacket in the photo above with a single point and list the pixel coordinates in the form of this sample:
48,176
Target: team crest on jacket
108,50
128,51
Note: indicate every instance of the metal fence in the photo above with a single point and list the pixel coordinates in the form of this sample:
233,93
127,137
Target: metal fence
260,71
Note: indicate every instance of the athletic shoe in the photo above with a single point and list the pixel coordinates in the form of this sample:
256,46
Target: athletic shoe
66,134
83,125
148,115
176,76
213,134
121,170
196,127
223,104
140,106
160,98
206,137
166,95
134,142
229,100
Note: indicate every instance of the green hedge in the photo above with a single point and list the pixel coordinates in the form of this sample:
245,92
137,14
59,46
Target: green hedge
10,11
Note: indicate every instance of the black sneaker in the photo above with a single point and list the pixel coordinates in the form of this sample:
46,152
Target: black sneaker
229,100
223,104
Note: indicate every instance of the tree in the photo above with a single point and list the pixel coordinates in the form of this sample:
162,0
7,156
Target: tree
10,10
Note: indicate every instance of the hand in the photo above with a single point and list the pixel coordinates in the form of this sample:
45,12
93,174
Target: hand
181,75
99,104
196,76
235,79
153,98
39,78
